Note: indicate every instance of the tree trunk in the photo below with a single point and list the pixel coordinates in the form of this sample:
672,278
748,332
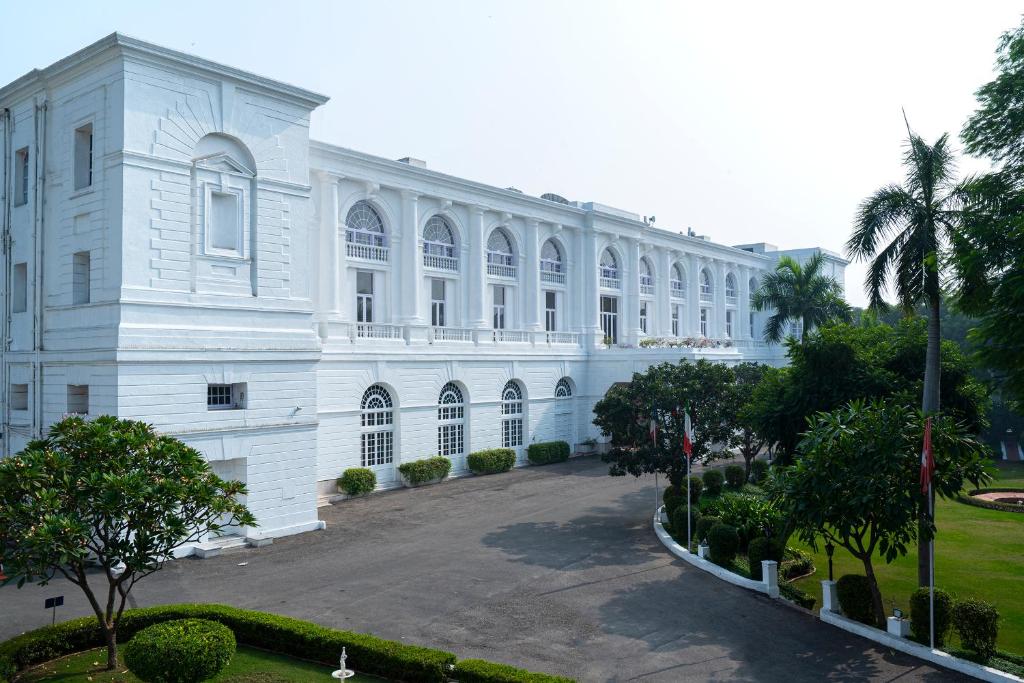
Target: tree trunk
930,406
110,634
876,594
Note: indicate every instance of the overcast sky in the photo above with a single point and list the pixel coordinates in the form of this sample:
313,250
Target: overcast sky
746,121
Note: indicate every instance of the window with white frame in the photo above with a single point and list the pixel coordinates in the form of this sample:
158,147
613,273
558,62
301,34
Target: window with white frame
563,389
19,288
610,319
677,282
224,222
675,320
78,399
728,324
550,311
439,245
643,317
730,289
83,157
609,270
226,396
451,417
498,307
21,176
751,324
646,279
511,415
364,296
81,278
704,322
377,438
19,397
551,267
437,302
500,257
363,226
705,286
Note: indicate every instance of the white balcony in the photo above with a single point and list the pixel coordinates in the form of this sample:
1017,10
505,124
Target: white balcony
519,336
677,290
451,334
563,338
730,300
376,331
706,297
552,277
646,289
501,270
436,262
366,252
611,283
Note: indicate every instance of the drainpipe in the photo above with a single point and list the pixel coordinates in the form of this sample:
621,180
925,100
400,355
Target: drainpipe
39,298
5,322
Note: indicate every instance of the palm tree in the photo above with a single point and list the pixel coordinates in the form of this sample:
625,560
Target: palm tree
799,292
917,219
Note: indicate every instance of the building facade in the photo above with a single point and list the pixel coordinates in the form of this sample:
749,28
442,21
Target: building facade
177,250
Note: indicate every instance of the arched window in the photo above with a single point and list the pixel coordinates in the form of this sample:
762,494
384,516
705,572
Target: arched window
730,288
377,443
563,389
678,281
646,279
450,421
439,245
364,226
511,415
551,268
500,258
609,269
705,286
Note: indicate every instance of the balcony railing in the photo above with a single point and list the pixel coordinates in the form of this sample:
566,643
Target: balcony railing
376,331
451,334
677,290
501,270
366,252
611,283
646,289
436,262
552,277
510,336
563,338
730,300
705,297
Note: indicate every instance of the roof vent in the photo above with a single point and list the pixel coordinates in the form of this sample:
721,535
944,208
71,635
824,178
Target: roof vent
552,197
413,161
514,189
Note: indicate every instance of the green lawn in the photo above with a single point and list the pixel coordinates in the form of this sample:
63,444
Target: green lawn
978,553
247,666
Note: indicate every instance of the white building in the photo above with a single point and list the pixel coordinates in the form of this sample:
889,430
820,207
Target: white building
177,250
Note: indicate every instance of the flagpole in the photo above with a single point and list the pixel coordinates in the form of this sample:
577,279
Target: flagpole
931,568
689,514
656,501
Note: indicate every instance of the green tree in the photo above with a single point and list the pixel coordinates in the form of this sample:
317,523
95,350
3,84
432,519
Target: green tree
799,293
750,439
660,393
111,493
856,482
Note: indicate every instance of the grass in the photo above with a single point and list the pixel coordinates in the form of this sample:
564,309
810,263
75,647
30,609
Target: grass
979,553
247,666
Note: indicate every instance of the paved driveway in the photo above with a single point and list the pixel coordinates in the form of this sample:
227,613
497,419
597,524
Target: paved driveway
552,568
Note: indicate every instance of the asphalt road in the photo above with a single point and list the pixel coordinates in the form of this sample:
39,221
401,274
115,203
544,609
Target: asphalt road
551,568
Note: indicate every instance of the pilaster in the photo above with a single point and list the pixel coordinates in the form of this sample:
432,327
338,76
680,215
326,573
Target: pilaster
477,269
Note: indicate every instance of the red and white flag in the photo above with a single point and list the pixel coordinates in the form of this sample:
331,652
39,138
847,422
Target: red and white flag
927,461
654,430
687,435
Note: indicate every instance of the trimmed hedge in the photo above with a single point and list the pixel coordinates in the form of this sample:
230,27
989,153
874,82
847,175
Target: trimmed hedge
970,499
482,671
678,521
919,609
977,622
547,452
421,471
491,460
735,476
854,593
284,635
180,651
356,481
672,500
758,470
696,488
704,525
762,548
713,480
724,542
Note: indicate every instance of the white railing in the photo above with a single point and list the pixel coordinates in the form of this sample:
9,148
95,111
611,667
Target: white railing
552,277
376,331
705,297
563,338
647,289
749,343
501,270
451,334
730,300
611,283
510,336
677,290
366,252
440,262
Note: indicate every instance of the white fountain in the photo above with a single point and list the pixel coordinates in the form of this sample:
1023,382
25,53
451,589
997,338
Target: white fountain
343,673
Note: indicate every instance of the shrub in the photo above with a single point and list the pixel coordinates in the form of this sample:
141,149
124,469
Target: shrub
796,563
710,505
735,476
180,651
713,480
758,471
421,471
547,452
919,627
704,525
491,461
854,593
724,542
679,521
752,515
482,671
762,548
672,500
800,597
356,481
977,622
295,638
696,488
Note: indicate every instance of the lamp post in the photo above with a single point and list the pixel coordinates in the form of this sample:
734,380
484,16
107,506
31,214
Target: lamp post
829,549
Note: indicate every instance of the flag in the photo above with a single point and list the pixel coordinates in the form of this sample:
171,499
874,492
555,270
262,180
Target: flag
654,430
927,461
687,435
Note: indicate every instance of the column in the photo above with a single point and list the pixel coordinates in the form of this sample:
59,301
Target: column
693,266
329,303
590,283
631,292
744,303
719,297
663,294
410,262
477,282
531,283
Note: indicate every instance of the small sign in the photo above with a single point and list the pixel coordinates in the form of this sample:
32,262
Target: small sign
54,602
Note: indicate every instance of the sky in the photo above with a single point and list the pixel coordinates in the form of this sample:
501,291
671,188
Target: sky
749,122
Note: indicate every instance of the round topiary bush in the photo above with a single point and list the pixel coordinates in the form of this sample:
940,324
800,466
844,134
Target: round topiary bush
679,522
713,480
759,549
854,593
724,542
704,525
758,471
356,481
735,476
180,651
696,488
672,499
919,608
977,622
